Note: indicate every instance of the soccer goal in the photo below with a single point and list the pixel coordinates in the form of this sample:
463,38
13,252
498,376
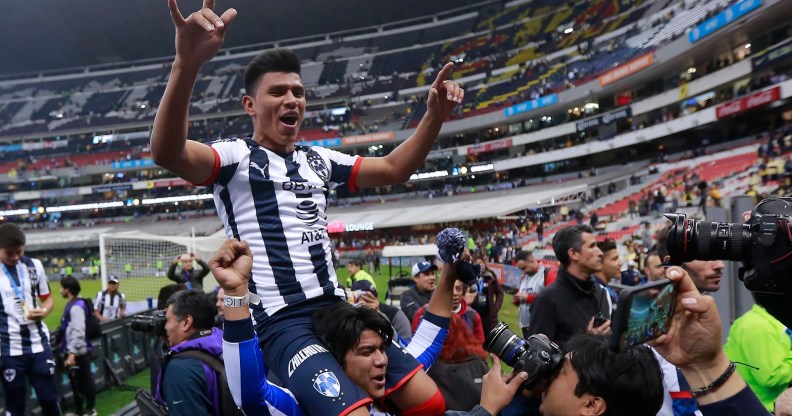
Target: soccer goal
141,262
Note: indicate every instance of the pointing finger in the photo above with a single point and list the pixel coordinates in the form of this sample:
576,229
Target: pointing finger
176,15
441,76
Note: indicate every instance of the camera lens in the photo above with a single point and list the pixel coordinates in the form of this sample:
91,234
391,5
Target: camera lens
502,342
690,240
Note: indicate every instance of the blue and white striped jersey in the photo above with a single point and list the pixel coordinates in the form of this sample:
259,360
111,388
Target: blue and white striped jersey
257,396
110,305
277,204
18,335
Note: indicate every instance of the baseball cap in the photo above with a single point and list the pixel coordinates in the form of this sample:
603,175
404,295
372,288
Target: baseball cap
364,286
422,267
631,263
112,278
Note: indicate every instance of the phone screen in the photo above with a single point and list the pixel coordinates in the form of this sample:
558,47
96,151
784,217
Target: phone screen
644,313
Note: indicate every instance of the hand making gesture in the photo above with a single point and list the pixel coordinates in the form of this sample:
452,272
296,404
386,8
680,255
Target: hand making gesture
231,267
201,34
444,94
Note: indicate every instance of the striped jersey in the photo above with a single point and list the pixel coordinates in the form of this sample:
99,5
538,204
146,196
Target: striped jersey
277,204
18,335
109,305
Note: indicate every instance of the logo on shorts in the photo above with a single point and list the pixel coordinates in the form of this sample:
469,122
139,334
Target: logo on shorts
10,375
52,366
327,384
303,355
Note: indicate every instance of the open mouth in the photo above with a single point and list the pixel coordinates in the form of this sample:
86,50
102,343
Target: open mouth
289,119
379,380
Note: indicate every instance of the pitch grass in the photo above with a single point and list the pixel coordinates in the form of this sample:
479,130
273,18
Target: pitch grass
111,400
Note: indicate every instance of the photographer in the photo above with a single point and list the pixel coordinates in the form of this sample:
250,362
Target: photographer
187,384
188,275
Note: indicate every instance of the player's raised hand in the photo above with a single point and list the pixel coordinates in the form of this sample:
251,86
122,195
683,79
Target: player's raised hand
231,265
444,94
201,34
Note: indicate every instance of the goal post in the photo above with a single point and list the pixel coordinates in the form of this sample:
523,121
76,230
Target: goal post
140,261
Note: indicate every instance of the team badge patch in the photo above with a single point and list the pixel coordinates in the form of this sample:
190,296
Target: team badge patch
9,374
327,384
318,165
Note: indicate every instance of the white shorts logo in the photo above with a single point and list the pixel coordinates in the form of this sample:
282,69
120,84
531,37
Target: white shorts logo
9,374
327,384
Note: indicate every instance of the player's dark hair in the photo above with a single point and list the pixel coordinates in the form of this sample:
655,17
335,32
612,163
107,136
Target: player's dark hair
630,382
71,284
340,325
11,235
196,304
606,245
569,237
273,60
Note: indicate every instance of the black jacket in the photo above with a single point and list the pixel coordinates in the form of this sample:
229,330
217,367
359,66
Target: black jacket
413,299
565,308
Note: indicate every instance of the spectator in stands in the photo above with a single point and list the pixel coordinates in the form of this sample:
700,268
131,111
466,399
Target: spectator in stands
646,235
653,267
489,296
186,382
631,276
26,302
418,295
536,277
76,348
188,275
356,273
763,343
110,304
275,99
365,293
575,302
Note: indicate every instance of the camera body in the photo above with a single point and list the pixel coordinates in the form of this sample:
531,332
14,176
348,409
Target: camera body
763,244
537,356
154,323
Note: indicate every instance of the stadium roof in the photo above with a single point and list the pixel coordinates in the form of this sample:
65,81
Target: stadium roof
49,34
469,207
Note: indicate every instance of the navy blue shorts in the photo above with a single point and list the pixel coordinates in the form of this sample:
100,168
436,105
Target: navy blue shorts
294,352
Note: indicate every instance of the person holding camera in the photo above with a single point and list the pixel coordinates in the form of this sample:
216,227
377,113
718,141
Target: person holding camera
188,275
25,354
365,294
575,302
76,347
189,383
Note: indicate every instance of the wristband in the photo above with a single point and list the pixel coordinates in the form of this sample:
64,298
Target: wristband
715,384
238,301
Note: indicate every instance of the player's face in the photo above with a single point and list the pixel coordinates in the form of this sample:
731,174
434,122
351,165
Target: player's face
654,268
706,274
589,258
366,362
10,255
425,281
611,264
277,110
559,397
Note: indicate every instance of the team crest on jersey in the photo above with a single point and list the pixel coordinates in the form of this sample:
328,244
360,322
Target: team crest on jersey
327,384
318,165
9,374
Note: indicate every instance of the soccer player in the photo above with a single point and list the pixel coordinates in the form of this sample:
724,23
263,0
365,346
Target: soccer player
271,192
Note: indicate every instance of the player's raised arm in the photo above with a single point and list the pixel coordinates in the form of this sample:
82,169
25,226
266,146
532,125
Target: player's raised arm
198,38
410,155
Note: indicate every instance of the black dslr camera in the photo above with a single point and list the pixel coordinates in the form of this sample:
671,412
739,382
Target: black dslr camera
540,358
763,244
154,323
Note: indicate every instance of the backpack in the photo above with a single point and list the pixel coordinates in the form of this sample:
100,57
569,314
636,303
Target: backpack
226,406
93,329
460,382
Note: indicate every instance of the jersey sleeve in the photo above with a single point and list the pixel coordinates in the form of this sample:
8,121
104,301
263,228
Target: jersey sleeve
43,288
428,340
343,168
248,382
227,152
99,302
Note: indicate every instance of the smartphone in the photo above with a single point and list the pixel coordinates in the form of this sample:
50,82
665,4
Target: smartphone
599,320
643,313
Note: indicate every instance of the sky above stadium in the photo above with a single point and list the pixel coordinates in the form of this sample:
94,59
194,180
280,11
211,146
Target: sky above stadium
40,35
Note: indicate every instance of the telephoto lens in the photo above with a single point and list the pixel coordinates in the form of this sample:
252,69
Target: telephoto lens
690,240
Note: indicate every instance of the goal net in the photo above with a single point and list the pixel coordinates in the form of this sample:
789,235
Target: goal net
141,261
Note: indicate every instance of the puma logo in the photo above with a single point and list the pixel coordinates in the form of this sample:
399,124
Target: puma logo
259,168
